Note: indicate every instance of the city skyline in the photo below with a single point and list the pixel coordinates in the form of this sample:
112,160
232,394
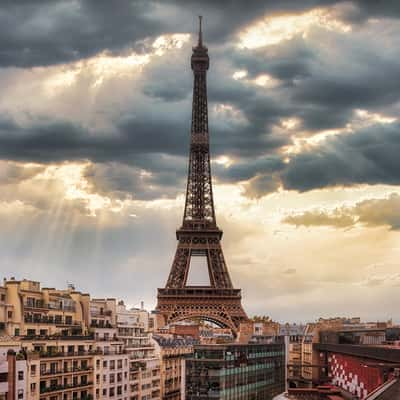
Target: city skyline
303,110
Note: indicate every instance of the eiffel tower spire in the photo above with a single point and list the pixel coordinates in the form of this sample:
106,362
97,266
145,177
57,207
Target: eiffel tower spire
199,235
200,43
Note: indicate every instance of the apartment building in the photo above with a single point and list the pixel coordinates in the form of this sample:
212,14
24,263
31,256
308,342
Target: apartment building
111,366
26,309
67,346
172,351
62,367
144,366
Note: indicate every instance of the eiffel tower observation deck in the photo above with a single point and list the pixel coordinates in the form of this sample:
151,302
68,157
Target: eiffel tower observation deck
199,236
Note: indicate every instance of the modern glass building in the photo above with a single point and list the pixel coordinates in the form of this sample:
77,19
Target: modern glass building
235,372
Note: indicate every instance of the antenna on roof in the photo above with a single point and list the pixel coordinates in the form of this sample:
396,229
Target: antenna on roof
70,286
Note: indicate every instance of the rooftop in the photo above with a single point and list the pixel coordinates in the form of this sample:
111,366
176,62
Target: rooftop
382,353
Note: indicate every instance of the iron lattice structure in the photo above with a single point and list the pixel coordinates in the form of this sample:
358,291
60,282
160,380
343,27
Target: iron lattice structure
199,234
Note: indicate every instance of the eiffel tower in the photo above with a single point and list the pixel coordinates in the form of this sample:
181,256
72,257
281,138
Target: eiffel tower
199,234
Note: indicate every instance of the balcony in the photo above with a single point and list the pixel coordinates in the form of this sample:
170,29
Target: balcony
102,324
29,319
61,354
104,313
57,388
40,305
83,353
65,371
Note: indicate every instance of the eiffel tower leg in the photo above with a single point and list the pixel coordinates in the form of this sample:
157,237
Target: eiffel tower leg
180,268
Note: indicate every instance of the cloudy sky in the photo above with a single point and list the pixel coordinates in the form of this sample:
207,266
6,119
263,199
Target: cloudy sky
304,99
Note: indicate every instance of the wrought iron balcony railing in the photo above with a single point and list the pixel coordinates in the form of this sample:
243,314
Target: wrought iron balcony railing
56,388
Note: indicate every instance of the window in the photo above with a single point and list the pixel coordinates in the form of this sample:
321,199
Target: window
119,364
3,376
104,392
3,297
20,393
104,364
112,392
31,332
33,369
112,364
33,387
20,375
119,390
68,320
112,378
9,314
16,332
53,367
97,364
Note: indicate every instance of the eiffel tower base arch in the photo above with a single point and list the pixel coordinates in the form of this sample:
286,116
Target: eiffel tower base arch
219,306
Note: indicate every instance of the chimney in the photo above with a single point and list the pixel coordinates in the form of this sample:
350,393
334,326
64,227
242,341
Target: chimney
11,360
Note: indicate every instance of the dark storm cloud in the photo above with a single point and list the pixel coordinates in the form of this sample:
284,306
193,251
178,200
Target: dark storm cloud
37,33
322,93
368,156
324,87
119,160
225,17
290,60
119,181
374,8
54,141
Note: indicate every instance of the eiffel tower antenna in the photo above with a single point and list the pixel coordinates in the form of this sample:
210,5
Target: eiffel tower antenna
200,32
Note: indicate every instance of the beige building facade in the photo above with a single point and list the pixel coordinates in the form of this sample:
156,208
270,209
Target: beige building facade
67,346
